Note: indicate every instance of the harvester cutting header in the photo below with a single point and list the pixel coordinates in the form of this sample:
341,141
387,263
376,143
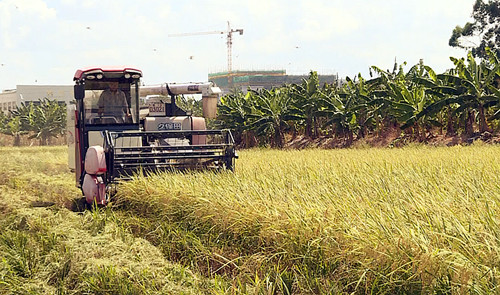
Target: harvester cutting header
111,137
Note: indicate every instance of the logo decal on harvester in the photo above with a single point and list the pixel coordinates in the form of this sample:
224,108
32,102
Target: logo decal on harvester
169,126
193,88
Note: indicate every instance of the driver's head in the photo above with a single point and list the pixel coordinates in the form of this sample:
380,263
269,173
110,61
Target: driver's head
113,86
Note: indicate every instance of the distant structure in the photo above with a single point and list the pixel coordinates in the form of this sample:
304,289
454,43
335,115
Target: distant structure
12,98
255,80
229,36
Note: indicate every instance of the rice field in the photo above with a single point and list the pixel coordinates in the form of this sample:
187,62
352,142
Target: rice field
408,220
47,249
411,220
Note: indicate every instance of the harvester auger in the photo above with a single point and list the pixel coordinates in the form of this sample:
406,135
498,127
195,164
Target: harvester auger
112,137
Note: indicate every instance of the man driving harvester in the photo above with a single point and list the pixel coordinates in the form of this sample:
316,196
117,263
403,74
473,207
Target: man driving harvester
113,102
106,148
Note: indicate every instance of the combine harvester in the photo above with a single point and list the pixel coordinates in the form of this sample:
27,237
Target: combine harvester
111,138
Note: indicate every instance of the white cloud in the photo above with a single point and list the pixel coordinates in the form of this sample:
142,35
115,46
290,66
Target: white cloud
41,36
90,3
17,17
36,8
324,21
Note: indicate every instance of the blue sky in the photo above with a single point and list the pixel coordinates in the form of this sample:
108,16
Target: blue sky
44,42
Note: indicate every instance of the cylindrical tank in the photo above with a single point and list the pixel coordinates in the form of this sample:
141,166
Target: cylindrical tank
210,106
95,160
94,189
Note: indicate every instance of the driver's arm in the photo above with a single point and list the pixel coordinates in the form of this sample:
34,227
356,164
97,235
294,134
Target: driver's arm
100,105
125,105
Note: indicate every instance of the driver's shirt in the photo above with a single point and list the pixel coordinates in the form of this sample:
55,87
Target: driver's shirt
113,103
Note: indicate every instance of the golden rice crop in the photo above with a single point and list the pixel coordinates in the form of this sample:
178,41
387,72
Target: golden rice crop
411,220
415,219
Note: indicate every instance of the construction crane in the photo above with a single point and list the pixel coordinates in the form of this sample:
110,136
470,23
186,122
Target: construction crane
229,36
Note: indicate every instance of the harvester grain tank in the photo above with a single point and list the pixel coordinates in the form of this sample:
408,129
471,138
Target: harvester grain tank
112,137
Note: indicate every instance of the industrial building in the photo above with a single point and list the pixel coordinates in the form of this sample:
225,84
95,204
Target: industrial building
10,99
244,80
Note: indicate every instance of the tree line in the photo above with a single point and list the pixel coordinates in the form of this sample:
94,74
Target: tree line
463,100
482,33
42,120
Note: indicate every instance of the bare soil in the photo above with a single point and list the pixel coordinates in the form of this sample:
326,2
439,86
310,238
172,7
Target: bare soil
389,138
7,140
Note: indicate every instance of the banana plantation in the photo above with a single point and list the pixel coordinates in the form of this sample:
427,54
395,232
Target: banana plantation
41,120
464,101
419,104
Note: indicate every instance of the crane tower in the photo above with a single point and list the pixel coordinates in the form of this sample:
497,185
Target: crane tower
229,41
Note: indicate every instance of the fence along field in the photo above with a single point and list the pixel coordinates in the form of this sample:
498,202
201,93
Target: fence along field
411,220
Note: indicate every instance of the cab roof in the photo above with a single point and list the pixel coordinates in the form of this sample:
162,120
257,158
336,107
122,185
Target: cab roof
81,73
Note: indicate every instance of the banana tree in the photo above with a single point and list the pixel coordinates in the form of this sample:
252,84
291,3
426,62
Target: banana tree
189,103
495,85
408,96
496,93
26,113
341,113
4,119
49,121
408,106
272,109
359,94
233,113
18,123
380,91
473,81
306,99
43,120
13,127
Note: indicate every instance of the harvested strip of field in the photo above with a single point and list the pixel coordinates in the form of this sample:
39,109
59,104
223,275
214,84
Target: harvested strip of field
408,220
52,250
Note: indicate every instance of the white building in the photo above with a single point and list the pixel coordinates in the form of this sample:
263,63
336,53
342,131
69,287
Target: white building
10,99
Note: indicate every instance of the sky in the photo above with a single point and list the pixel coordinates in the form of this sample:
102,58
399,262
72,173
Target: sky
44,42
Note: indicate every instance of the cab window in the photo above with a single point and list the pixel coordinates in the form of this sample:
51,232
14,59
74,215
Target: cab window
108,103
